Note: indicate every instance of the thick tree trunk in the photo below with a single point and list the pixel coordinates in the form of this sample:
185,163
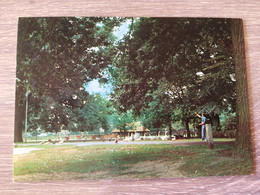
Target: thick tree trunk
187,127
243,138
19,118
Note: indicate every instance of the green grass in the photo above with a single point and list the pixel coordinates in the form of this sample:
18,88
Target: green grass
223,160
128,161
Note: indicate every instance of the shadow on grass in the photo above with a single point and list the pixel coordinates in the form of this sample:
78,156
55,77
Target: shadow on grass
129,161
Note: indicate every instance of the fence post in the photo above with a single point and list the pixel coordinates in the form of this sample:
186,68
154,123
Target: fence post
209,136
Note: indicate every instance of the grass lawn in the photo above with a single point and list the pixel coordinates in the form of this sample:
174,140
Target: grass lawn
128,161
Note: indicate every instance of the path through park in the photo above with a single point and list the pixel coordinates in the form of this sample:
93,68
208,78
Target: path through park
176,143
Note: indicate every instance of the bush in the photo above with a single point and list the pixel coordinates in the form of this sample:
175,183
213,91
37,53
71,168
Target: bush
228,122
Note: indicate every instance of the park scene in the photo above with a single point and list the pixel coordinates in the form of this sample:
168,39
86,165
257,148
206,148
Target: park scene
130,98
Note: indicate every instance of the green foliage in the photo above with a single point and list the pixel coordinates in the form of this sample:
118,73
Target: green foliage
55,58
122,121
157,65
93,115
162,71
228,121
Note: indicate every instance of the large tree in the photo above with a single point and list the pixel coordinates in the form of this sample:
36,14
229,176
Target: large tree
243,138
165,54
55,58
93,115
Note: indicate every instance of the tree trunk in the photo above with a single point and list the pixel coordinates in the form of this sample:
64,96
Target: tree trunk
187,127
19,118
216,122
199,131
209,136
243,137
170,129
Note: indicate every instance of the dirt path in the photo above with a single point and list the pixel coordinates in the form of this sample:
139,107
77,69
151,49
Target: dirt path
24,150
176,142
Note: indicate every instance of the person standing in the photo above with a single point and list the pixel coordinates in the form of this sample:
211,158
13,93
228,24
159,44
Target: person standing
203,124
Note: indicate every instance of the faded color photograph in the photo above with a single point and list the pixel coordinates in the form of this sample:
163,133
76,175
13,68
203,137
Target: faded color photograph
102,98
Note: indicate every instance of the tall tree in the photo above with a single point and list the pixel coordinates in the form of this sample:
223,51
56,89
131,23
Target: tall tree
93,115
243,138
55,58
166,54
123,120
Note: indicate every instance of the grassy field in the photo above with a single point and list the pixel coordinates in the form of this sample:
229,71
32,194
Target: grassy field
128,161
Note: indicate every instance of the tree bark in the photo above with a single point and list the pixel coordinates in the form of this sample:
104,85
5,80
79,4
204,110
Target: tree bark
170,129
187,127
19,118
199,131
243,137
209,136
